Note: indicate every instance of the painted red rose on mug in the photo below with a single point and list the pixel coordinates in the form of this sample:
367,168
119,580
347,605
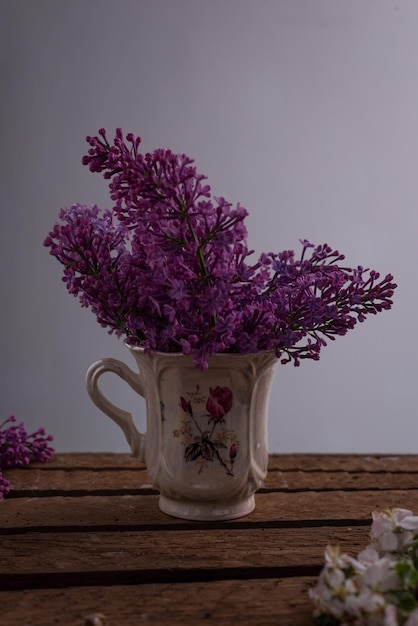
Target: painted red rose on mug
202,444
219,403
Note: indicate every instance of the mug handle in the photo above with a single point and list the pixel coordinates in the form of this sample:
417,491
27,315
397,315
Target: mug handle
123,419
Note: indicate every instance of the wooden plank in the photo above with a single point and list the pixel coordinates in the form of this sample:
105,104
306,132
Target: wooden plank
348,481
89,460
283,462
344,462
249,602
131,481
78,482
143,556
272,509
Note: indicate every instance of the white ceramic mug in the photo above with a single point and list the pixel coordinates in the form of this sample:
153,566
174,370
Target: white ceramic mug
205,444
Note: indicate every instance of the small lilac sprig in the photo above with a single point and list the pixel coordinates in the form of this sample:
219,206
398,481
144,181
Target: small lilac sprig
18,448
380,586
4,486
168,267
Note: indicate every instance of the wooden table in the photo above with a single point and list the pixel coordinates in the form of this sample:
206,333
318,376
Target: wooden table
82,542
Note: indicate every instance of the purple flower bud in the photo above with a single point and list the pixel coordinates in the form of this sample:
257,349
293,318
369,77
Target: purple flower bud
186,406
4,486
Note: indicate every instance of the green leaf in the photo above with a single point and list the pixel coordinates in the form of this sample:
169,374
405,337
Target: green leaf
402,569
405,600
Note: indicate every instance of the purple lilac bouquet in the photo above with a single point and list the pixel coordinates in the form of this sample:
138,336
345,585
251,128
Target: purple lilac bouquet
18,448
169,267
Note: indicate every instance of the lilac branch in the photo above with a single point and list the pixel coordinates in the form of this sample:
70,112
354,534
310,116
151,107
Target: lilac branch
18,448
169,267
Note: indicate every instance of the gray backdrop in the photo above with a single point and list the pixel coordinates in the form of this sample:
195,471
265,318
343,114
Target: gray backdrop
304,111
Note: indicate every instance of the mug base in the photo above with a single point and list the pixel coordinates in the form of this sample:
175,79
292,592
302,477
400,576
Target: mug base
201,511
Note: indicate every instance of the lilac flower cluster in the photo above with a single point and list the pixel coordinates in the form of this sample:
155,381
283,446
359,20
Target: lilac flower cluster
168,267
18,448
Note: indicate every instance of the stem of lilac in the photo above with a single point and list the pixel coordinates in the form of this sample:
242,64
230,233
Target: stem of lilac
201,260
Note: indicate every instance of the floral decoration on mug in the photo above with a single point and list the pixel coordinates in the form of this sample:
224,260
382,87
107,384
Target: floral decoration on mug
217,443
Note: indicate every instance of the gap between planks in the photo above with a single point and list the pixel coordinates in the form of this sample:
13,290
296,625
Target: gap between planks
109,578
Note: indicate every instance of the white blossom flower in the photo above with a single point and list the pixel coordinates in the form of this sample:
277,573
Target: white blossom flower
391,530
391,616
380,575
380,586
367,556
